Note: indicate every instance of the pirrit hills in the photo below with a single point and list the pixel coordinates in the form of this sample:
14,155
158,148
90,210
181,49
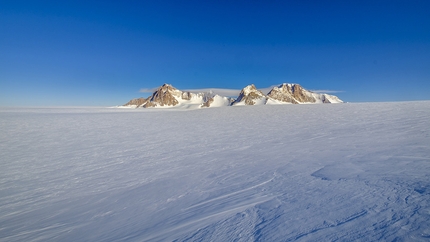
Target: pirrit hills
167,96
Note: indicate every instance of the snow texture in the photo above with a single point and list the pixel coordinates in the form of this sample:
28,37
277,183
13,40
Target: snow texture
257,173
219,101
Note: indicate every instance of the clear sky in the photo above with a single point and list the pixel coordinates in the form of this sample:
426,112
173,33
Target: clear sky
101,53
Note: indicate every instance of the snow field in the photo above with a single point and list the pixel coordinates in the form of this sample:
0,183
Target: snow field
260,173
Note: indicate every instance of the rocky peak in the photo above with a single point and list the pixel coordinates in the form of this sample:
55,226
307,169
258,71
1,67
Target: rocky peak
163,96
250,96
291,93
167,95
166,88
249,89
301,95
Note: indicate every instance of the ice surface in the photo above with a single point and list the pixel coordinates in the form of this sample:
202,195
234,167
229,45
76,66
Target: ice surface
256,173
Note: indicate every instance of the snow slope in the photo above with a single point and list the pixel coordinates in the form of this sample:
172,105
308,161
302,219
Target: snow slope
255,173
219,101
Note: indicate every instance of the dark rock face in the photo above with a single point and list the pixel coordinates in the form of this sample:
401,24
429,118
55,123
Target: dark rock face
291,93
167,95
163,96
249,96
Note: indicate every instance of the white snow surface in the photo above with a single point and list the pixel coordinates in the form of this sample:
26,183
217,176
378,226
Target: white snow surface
257,173
271,101
219,101
257,102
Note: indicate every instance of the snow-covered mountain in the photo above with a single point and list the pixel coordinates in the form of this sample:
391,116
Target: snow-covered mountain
296,94
168,96
250,96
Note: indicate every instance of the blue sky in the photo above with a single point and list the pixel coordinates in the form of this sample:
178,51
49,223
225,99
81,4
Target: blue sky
101,53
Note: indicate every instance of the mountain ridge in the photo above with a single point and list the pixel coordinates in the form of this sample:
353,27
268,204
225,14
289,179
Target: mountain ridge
167,96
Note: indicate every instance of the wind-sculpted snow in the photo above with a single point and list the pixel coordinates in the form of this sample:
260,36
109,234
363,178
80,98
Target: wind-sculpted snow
256,173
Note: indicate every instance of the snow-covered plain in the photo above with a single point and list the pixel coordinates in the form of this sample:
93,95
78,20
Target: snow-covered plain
256,173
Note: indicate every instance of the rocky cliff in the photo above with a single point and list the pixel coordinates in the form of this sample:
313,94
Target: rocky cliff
250,96
168,96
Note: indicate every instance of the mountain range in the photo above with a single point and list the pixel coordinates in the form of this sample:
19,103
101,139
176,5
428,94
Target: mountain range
167,96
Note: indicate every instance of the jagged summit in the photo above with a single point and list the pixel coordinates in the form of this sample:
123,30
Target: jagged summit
163,96
250,96
291,93
167,96
249,89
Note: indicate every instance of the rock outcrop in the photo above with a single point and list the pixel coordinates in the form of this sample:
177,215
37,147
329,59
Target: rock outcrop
136,102
291,93
296,94
168,96
250,96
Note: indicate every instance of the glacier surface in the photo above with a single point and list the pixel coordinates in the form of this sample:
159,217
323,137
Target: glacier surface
354,171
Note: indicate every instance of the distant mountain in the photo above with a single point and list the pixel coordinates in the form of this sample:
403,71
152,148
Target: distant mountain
250,96
294,93
168,96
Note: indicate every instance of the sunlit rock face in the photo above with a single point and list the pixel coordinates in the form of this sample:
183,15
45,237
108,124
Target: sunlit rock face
167,96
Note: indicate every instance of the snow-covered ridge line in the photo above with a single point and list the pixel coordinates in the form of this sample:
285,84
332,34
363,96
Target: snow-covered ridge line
167,96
